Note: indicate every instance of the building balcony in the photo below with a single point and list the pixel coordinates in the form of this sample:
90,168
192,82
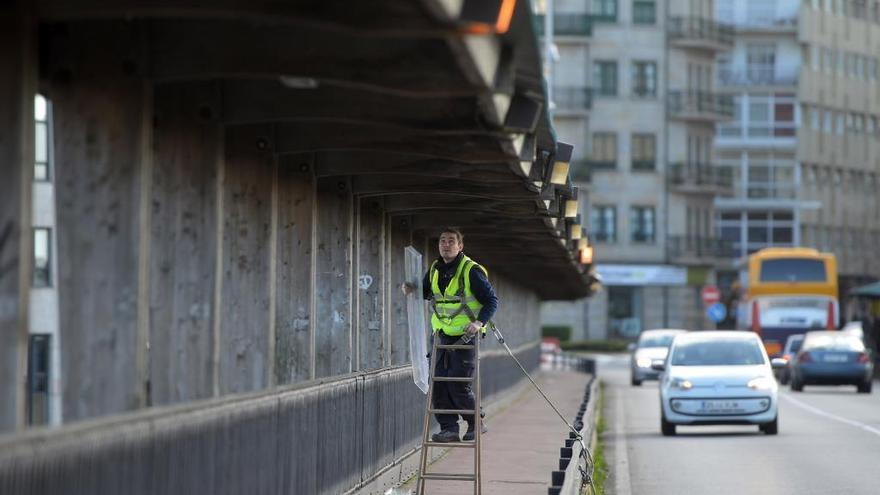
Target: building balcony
567,24
767,24
754,76
572,98
699,33
693,250
699,106
700,178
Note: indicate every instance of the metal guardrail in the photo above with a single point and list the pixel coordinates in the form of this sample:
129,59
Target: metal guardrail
567,24
700,104
699,29
325,437
694,247
699,175
573,97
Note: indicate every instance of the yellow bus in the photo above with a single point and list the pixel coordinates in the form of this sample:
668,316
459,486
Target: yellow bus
789,291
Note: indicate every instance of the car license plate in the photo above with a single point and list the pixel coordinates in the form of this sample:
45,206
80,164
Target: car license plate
834,358
720,406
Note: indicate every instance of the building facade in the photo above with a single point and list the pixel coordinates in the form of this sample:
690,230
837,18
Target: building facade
803,146
647,164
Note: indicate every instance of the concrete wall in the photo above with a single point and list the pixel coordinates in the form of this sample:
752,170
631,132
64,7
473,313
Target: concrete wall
17,89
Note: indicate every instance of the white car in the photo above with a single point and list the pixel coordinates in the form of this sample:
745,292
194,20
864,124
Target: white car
652,346
718,377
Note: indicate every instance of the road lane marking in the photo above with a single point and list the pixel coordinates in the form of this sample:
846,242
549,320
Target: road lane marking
622,483
819,412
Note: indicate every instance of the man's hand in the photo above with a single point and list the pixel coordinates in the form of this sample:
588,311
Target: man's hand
407,288
474,327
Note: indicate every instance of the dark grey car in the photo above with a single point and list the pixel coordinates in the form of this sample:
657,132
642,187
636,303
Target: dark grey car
832,358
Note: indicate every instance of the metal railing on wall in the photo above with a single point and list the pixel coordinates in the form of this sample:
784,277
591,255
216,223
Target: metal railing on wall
325,437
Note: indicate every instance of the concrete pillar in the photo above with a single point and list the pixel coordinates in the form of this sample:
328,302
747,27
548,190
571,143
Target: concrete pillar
399,237
103,120
333,308
183,243
18,75
246,339
370,283
294,327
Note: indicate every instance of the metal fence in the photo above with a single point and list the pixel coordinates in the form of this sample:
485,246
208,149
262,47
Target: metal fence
317,438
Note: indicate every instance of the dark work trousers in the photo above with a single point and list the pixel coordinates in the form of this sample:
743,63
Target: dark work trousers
453,395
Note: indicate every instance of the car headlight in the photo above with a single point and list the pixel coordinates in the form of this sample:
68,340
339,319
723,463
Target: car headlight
681,383
760,383
643,362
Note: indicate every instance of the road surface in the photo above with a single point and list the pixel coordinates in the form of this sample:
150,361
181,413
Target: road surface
828,443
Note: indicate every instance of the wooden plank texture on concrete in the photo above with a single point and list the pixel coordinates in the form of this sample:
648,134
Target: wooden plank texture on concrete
370,284
183,242
294,326
245,301
333,324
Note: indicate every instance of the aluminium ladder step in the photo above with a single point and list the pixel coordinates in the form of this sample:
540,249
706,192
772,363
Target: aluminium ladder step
469,412
449,476
466,445
453,379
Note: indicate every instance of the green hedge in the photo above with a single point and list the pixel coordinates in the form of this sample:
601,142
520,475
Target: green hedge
562,332
596,345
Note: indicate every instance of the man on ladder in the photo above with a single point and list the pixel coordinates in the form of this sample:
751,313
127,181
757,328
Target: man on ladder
462,302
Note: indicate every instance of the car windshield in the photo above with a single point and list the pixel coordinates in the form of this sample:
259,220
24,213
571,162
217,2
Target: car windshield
834,343
717,352
795,345
656,340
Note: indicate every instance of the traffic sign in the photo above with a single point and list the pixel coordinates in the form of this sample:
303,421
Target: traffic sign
710,295
717,312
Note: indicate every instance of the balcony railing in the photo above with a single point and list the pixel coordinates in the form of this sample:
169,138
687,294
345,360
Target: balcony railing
573,97
696,31
696,249
701,177
567,24
754,76
700,105
767,23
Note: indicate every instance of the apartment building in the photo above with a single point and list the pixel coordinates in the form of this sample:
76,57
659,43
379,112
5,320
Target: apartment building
803,146
43,379
646,163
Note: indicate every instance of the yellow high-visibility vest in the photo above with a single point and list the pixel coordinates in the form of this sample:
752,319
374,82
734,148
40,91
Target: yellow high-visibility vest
455,307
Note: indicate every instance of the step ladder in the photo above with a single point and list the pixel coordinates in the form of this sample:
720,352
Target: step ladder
474,445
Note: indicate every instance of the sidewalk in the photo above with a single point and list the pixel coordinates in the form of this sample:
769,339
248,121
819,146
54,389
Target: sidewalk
522,446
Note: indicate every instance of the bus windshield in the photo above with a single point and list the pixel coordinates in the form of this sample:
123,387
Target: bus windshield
793,270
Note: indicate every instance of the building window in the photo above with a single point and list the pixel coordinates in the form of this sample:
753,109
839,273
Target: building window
604,153
38,380
605,10
641,221
42,257
644,78
605,77
644,12
603,223
760,62
644,151
41,139
624,311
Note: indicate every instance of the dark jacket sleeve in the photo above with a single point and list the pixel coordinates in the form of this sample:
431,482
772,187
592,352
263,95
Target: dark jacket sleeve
484,293
426,287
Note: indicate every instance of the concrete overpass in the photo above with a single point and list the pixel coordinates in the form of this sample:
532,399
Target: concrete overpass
235,184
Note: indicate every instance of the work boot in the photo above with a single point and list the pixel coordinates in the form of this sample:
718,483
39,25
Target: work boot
445,436
469,436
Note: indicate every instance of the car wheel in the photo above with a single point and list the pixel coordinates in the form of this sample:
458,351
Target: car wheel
667,428
771,428
784,378
865,388
635,382
797,385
